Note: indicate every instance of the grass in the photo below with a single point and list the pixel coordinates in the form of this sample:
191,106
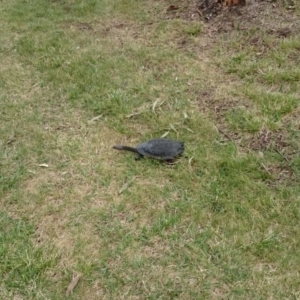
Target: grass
78,77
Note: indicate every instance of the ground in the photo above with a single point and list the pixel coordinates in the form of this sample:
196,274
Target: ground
78,77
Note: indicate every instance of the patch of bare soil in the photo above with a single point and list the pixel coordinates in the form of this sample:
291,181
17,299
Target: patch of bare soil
224,12
278,142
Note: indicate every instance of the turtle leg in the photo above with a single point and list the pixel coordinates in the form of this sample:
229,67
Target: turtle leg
139,156
169,161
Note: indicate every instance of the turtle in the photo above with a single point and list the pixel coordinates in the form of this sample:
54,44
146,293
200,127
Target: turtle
160,148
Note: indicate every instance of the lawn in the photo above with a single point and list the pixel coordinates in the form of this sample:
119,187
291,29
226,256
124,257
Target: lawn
77,77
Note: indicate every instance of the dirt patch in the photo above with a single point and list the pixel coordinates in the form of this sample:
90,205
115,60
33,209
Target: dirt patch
275,17
267,140
209,103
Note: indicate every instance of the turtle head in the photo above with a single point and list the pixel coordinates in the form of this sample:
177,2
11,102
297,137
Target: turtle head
127,148
118,147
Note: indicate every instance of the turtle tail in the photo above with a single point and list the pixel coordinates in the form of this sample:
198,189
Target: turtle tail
127,148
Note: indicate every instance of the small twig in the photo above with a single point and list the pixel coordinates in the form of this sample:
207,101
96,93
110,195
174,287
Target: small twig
9,142
134,114
95,118
199,12
281,155
225,134
72,284
173,128
266,169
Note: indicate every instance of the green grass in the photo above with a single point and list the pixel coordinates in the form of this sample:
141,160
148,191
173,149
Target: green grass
222,223
24,266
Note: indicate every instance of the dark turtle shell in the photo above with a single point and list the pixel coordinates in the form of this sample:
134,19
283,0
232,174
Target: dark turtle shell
164,149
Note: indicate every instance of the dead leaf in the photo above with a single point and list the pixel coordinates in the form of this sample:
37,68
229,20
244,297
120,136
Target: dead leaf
43,165
154,105
173,128
95,118
190,163
188,129
158,104
73,284
133,115
165,134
